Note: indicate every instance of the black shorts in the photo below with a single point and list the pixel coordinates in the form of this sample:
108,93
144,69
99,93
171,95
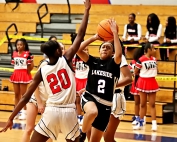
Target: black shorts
102,119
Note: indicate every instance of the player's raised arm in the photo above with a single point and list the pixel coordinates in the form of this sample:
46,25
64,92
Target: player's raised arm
24,100
69,54
83,55
117,45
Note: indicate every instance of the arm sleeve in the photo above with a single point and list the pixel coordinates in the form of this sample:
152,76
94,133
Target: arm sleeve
29,58
174,41
139,33
147,35
125,32
159,32
138,64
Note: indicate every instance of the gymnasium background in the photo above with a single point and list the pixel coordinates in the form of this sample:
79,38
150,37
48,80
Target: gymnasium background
113,2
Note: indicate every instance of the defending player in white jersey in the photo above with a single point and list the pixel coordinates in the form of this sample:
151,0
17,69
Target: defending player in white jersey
119,102
146,68
58,78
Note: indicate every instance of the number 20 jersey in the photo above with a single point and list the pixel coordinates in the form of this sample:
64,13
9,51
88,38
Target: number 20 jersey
59,82
102,77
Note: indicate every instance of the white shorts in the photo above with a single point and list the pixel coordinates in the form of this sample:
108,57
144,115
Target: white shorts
55,120
118,105
34,101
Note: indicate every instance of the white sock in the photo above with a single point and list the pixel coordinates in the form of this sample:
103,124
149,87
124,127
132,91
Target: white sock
136,116
144,118
154,122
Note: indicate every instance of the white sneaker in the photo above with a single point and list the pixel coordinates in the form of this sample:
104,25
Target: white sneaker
154,128
22,116
134,122
139,125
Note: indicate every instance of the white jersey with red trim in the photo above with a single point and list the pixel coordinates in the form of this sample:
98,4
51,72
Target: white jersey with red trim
147,66
59,82
21,61
81,69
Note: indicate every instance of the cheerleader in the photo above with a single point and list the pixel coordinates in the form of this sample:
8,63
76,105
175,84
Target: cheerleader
81,73
119,102
169,38
22,60
137,54
133,30
146,68
154,29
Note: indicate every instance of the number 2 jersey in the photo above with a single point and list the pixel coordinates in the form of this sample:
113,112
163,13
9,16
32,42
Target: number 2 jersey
59,82
102,77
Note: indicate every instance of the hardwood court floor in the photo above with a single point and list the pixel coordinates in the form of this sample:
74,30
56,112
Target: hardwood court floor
165,133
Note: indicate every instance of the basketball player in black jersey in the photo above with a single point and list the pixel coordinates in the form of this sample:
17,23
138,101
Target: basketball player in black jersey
104,72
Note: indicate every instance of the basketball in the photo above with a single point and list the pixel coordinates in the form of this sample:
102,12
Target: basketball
104,30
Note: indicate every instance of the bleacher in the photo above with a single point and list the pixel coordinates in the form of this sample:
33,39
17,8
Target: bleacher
56,23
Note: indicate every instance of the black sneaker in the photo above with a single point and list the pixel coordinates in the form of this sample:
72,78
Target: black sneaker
82,137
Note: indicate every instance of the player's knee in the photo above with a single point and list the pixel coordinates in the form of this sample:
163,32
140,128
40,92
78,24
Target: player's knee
92,113
29,130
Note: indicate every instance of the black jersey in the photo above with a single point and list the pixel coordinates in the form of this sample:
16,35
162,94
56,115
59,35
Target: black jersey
152,31
170,34
102,77
132,30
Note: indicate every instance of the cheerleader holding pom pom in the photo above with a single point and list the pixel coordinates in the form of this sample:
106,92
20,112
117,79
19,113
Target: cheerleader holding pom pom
146,68
22,60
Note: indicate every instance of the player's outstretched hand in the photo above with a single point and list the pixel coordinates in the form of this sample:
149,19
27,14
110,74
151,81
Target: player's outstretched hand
9,124
113,26
87,4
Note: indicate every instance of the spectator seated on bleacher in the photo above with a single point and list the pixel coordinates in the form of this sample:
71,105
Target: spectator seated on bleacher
154,30
170,38
132,31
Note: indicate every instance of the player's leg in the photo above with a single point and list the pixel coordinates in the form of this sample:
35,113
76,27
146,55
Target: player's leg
17,92
152,97
89,134
118,110
90,110
137,108
96,135
111,129
17,96
143,104
30,121
37,137
99,125
23,88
